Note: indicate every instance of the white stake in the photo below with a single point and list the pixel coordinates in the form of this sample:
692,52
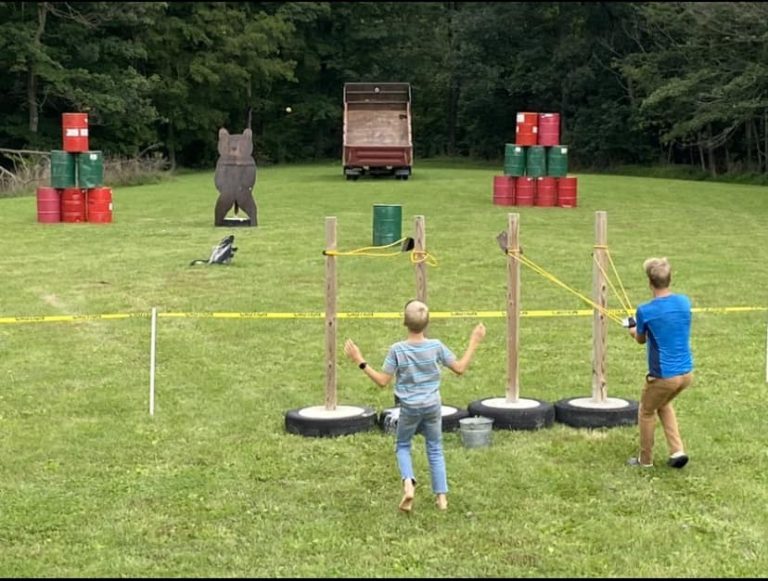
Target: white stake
153,342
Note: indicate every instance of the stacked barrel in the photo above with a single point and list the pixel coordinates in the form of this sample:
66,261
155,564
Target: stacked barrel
77,192
536,165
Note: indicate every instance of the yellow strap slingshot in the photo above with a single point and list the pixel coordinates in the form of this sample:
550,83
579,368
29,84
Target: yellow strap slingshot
423,255
517,255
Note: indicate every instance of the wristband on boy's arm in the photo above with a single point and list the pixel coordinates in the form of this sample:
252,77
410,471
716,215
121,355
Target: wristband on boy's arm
362,365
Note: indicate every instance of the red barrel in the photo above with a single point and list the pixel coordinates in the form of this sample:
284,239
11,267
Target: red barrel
527,128
48,205
73,205
503,190
74,129
527,118
546,192
100,205
549,129
525,193
566,192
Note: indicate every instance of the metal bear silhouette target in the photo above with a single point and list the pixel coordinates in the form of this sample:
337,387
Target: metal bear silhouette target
235,177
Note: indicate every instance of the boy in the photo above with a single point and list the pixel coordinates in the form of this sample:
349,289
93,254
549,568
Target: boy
415,363
664,325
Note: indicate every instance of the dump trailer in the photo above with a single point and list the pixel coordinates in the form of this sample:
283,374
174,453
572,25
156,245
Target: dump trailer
377,130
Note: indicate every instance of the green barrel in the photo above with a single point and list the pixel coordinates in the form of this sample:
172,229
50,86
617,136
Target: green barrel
514,160
557,161
63,170
387,224
90,170
536,161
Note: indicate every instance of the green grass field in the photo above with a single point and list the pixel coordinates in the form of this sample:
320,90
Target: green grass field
211,485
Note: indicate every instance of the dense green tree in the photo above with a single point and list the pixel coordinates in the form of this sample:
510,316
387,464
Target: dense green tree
703,74
634,82
74,56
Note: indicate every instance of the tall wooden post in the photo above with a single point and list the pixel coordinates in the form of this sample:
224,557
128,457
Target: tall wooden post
419,247
330,315
599,320
513,308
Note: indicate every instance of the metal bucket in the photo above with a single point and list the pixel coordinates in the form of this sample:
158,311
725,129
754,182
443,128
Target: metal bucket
476,431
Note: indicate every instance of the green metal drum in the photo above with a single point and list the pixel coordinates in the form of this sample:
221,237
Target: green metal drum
536,161
90,170
514,160
63,170
557,161
387,224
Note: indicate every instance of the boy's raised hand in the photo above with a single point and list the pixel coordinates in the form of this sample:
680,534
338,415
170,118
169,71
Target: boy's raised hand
353,351
478,333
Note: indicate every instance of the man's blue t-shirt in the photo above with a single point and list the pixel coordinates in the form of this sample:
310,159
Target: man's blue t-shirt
666,322
416,367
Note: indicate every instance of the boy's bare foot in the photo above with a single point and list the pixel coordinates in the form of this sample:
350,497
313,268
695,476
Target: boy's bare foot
406,504
442,502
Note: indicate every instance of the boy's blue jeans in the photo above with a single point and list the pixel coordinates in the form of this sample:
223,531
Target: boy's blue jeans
430,420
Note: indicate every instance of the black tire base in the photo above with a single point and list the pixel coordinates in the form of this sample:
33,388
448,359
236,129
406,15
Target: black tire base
532,418
595,417
451,416
314,427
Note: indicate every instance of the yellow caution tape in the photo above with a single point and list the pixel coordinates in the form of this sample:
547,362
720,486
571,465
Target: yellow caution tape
339,315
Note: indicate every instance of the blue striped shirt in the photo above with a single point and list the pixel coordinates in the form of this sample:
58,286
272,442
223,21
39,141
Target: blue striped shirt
416,367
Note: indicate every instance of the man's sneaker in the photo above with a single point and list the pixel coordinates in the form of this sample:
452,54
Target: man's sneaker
636,462
677,460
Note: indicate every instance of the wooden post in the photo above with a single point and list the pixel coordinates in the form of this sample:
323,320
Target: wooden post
599,320
152,360
419,247
513,308
330,315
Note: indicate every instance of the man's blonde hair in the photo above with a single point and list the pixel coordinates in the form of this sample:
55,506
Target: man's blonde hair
659,272
416,316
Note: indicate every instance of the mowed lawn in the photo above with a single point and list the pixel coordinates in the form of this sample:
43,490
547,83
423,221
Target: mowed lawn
211,485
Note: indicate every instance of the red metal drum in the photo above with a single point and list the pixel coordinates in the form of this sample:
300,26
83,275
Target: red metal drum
48,205
525,191
527,128
546,192
549,129
100,205
566,192
73,205
74,129
503,190
527,118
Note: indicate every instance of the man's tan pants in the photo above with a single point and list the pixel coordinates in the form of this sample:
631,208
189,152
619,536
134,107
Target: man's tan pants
657,398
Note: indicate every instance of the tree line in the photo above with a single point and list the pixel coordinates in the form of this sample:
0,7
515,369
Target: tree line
634,82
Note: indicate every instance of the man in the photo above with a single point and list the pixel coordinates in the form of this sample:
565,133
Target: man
664,325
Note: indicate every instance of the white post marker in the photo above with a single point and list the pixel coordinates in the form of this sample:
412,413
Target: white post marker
152,349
